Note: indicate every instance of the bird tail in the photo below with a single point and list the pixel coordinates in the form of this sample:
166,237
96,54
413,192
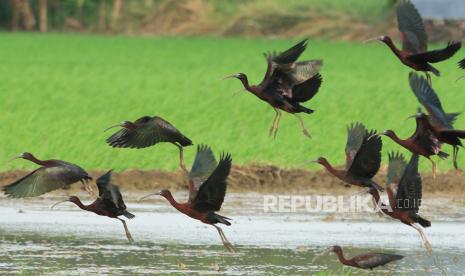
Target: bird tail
434,70
215,218
423,222
443,155
184,141
128,215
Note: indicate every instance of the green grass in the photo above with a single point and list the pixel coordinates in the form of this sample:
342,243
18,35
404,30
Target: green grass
59,92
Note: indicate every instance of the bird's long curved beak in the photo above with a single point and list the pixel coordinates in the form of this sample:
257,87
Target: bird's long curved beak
410,117
149,195
53,206
113,126
321,253
229,76
14,158
371,39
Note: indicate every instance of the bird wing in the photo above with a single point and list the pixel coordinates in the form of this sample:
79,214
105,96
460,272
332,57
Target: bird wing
462,63
409,193
43,180
410,24
304,70
110,192
212,192
307,89
371,260
437,55
203,166
355,134
367,160
429,99
424,137
396,168
148,132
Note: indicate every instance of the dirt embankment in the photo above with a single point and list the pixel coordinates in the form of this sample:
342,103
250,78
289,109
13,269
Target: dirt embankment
262,179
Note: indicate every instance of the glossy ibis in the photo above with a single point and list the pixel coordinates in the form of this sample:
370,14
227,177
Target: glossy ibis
52,175
207,189
148,131
422,142
404,191
109,203
462,66
414,51
363,158
365,261
287,84
440,122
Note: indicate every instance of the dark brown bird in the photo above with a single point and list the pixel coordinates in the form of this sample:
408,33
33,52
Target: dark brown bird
109,203
414,51
207,189
422,142
52,175
287,84
365,261
148,131
462,66
363,158
439,122
404,191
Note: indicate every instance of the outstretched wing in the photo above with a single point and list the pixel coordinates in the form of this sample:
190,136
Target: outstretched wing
204,165
148,132
44,180
410,24
355,134
307,89
437,55
462,63
212,192
428,98
367,160
409,193
424,137
396,168
110,192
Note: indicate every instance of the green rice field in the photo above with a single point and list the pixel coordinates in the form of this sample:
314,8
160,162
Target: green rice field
59,92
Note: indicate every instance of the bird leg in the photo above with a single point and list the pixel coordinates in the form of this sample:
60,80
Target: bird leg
225,241
128,234
454,157
181,158
273,126
434,168
88,188
424,239
277,124
302,126
428,78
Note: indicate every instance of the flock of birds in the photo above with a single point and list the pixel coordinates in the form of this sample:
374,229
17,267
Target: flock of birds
287,84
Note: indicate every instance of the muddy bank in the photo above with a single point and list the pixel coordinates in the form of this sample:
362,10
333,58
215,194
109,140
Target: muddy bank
262,179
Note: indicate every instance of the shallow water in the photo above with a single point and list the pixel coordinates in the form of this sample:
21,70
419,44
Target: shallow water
68,241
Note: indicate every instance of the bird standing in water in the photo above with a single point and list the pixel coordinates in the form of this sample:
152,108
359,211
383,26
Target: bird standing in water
363,158
52,175
414,51
365,261
207,189
287,84
148,131
109,203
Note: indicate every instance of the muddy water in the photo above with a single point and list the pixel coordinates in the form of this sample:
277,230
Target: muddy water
67,241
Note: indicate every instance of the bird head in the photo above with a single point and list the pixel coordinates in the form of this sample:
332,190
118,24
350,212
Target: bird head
388,133
320,160
383,38
164,193
125,124
239,76
335,249
73,199
24,155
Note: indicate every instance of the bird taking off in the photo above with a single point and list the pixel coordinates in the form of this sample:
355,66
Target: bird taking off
207,189
148,131
414,53
287,83
52,175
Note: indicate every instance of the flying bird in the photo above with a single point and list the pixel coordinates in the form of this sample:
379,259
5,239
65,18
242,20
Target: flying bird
287,83
422,142
52,175
207,189
414,53
439,122
404,191
363,158
148,131
109,203
365,261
